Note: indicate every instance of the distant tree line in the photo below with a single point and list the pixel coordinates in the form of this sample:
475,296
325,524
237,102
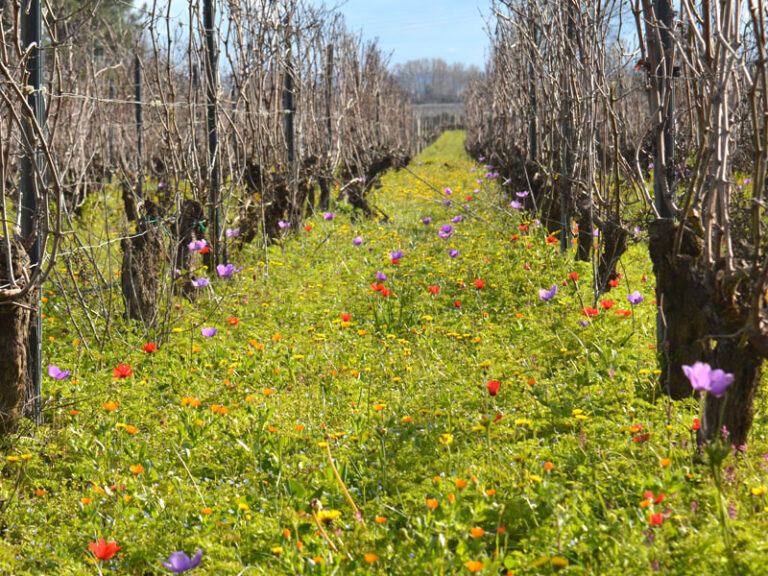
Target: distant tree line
433,80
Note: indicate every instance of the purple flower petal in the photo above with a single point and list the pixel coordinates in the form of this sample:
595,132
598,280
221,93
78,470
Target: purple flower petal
56,373
208,332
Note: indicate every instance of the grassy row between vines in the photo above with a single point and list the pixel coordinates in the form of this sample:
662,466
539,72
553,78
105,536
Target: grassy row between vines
476,427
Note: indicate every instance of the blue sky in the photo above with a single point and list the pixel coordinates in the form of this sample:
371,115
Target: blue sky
453,30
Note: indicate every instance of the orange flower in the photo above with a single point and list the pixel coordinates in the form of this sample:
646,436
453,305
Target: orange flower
432,503
233,320
190,401
110,406
217,409
473,565
370,558
131,429
207,511
137,469
460,483
548,466
477,532
380,519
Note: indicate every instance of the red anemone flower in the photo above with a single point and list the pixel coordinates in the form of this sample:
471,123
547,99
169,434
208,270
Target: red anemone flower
607,304
588,311
149,347
103,550
122,371
479,284
433,289
493,387
345,317
574,276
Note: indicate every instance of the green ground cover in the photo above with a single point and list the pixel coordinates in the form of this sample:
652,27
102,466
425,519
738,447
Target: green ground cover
475,426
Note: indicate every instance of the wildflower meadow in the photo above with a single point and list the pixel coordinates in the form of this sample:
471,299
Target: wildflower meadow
433,391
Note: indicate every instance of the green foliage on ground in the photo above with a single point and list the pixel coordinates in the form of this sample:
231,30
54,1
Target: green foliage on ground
222,443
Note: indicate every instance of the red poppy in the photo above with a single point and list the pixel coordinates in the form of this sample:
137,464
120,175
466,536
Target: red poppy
307,227
433,289
551,240
648,495
523,227
394,260
588,311
468,198
377,287
625,313
514,237
640,438
345,317
204,250
607,304
103,550
656,519
457,303
613,283
233,320
696,424
479,284
493,387
498,417
122,371
574,276
149,347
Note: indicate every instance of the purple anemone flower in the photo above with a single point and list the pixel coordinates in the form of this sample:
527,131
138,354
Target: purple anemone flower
357,241
547,295
233,232
179,562
426,220
702,377
446,202
58,374
208,332
457,218
446,231
228,270
283,225
197,245
201,282
522,194
329,216
396,255
515,204
380,276
453,252
447,191
635,298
